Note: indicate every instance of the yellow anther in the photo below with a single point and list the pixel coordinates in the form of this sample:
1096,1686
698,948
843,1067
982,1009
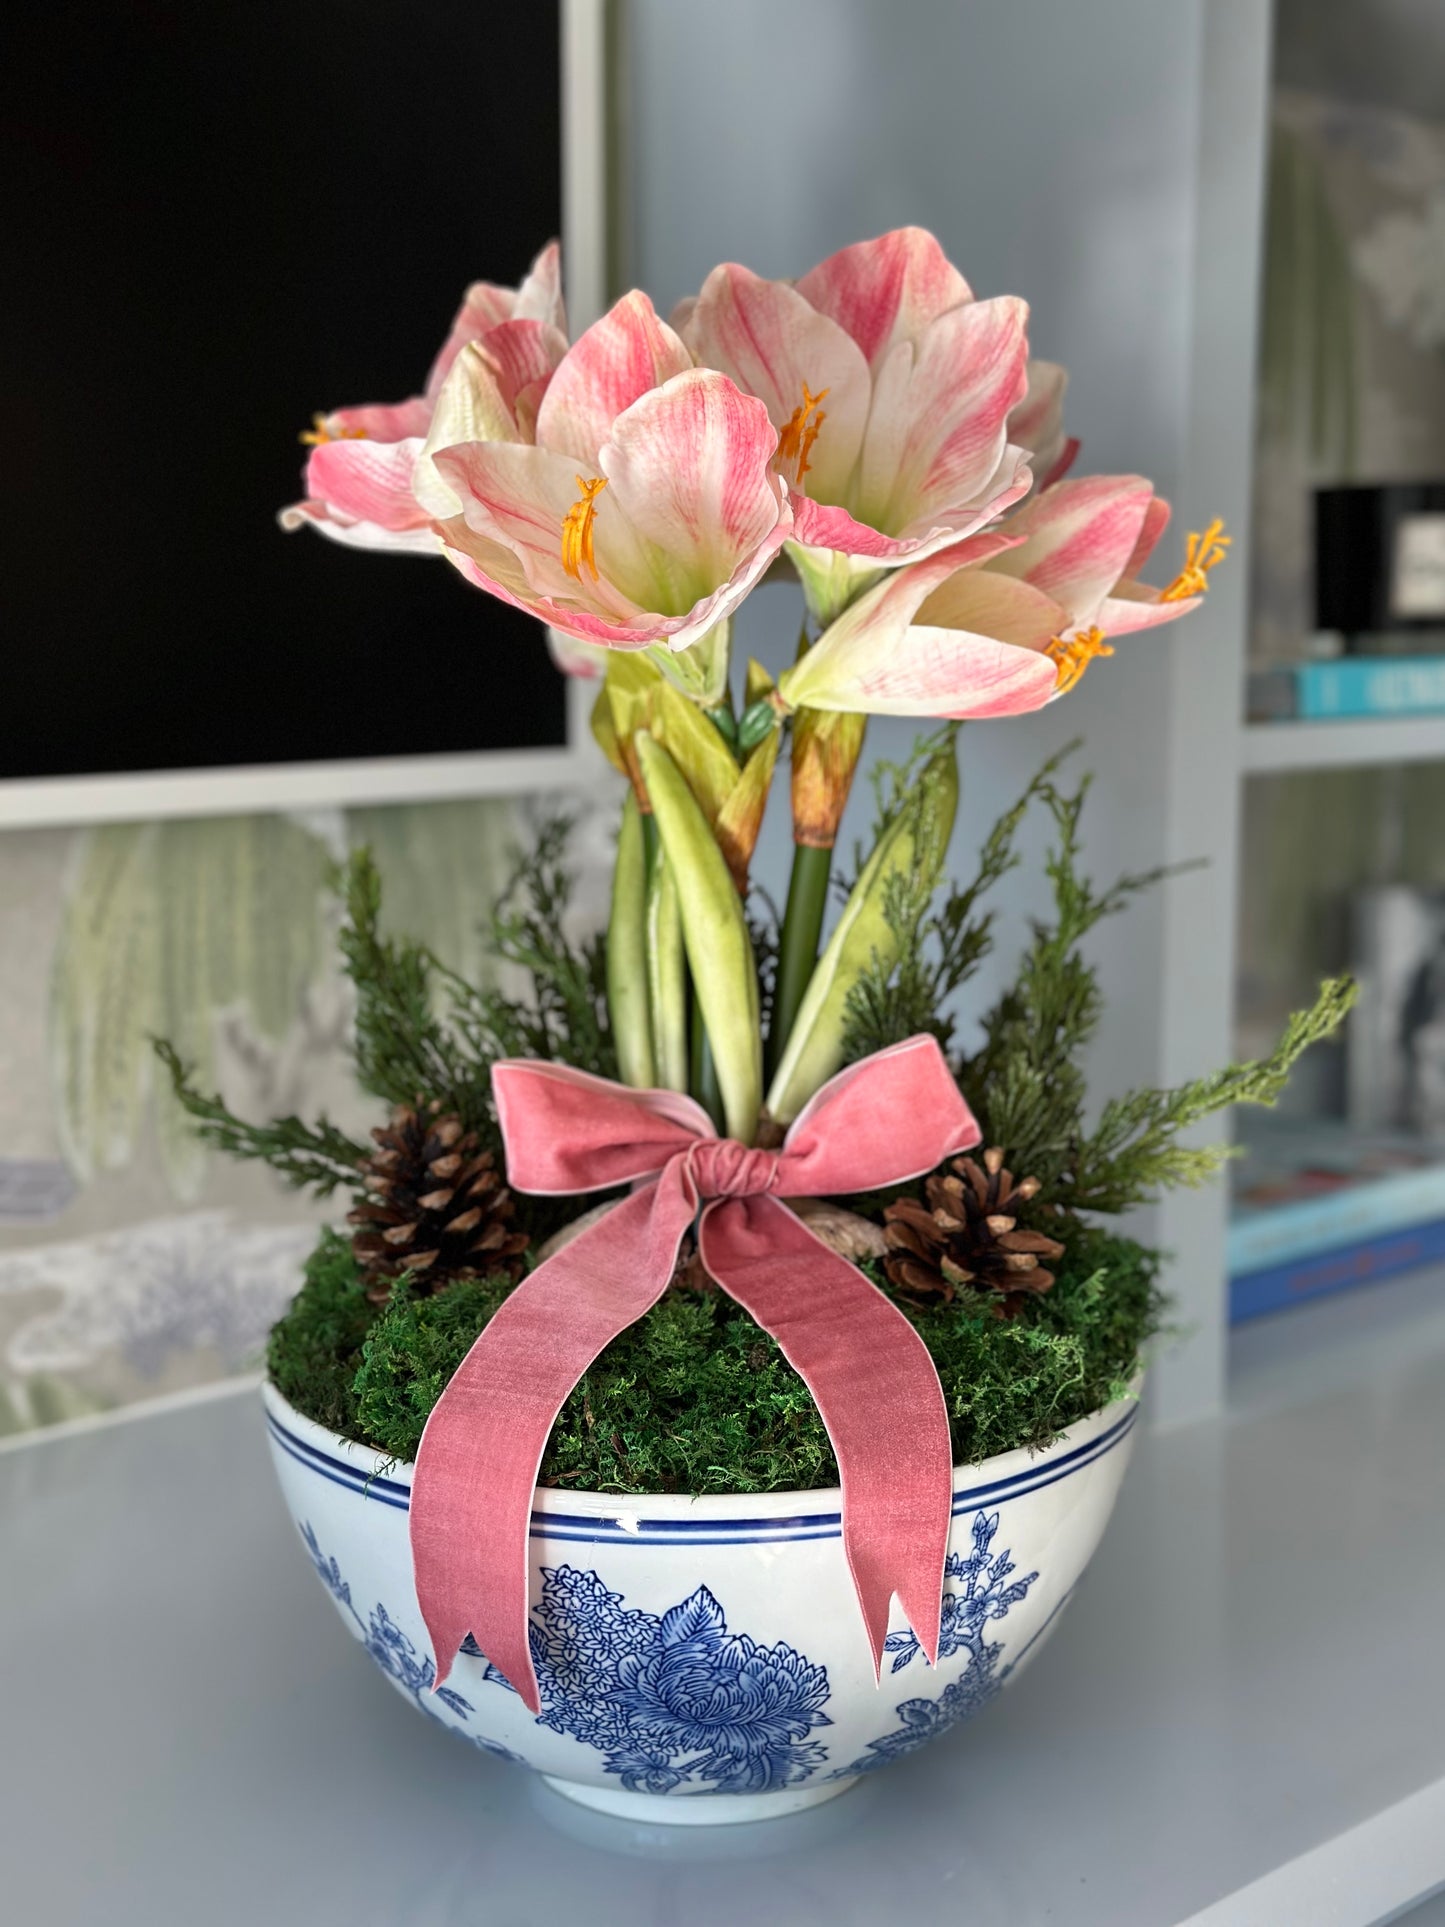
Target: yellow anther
1073,656
577,528
1202,553
318,434
799,432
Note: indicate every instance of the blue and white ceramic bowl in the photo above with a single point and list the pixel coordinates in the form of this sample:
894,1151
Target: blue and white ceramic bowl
703,1659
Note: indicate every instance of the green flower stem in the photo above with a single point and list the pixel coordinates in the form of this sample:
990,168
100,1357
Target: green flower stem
627,974
715,934
667,987
798,944
703,1084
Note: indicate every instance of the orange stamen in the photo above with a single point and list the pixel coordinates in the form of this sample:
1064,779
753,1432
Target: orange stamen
1073,656
799,432
577,523
318,434
1202,553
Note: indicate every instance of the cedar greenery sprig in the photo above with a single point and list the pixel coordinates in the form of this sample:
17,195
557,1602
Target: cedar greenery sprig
1133,1153
566,1018
1026,1083
423,1031
937,953
402,1048
314,1158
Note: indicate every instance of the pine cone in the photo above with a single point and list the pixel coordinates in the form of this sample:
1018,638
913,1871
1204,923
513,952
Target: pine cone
435,1206
968,1235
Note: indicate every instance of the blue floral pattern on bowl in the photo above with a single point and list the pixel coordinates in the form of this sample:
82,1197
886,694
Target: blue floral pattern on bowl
986,1595
673,1699
395,1654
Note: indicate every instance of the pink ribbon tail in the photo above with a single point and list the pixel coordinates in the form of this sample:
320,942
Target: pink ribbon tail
477,1465
877,1392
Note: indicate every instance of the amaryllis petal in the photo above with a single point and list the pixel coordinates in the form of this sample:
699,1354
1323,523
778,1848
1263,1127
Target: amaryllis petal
519,496
491,395
895,651
539,298
584,660
326,521
1156,520
380,421
688,466
485,305
937,430
367,481
1078,537
1134,605
491,566
886,290
1000,606
618,359
1037,423
777,346
941,672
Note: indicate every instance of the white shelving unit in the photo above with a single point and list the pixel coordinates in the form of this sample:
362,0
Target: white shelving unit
1271,748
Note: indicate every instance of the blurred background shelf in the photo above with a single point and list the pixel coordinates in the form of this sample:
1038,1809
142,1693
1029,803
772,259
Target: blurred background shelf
1273,748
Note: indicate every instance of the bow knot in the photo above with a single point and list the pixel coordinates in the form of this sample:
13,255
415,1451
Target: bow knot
884,1120
723,1168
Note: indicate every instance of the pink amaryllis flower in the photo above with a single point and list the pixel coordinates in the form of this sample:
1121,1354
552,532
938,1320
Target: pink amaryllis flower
360,473
647,506
891,389
1005,621
1083,543
942,637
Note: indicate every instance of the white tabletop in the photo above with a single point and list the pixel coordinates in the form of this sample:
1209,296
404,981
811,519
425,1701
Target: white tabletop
1242,1715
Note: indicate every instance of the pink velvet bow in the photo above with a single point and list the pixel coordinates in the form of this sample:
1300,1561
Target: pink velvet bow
888,1118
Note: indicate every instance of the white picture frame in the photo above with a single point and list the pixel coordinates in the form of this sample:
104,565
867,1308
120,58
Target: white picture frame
47,801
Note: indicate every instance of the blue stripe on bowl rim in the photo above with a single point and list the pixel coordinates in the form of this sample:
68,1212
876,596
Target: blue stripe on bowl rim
579,1528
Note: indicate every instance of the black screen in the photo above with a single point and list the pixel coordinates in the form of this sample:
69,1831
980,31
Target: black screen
218,220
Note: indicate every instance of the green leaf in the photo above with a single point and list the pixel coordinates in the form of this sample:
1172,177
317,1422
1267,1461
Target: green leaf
715,932
627,953
666,977
911,847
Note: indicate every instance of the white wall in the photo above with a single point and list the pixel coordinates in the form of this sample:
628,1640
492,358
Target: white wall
1061,152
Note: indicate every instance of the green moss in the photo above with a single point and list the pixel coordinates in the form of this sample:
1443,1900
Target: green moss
314,1351
694,1398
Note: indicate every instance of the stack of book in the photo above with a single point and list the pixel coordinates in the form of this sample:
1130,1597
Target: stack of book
1320,1208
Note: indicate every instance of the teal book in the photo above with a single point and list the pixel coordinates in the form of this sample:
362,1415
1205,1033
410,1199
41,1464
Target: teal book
1356,686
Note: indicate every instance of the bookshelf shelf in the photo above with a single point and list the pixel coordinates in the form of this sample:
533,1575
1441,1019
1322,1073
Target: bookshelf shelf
1269,748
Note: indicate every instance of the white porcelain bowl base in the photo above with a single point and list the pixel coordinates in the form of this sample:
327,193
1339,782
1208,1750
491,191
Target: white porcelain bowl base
702,1660
733,1809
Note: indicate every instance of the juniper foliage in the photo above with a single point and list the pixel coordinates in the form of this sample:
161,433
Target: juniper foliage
423,1031
565,1017
403,1047
1026,1082
938,950
312,1157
